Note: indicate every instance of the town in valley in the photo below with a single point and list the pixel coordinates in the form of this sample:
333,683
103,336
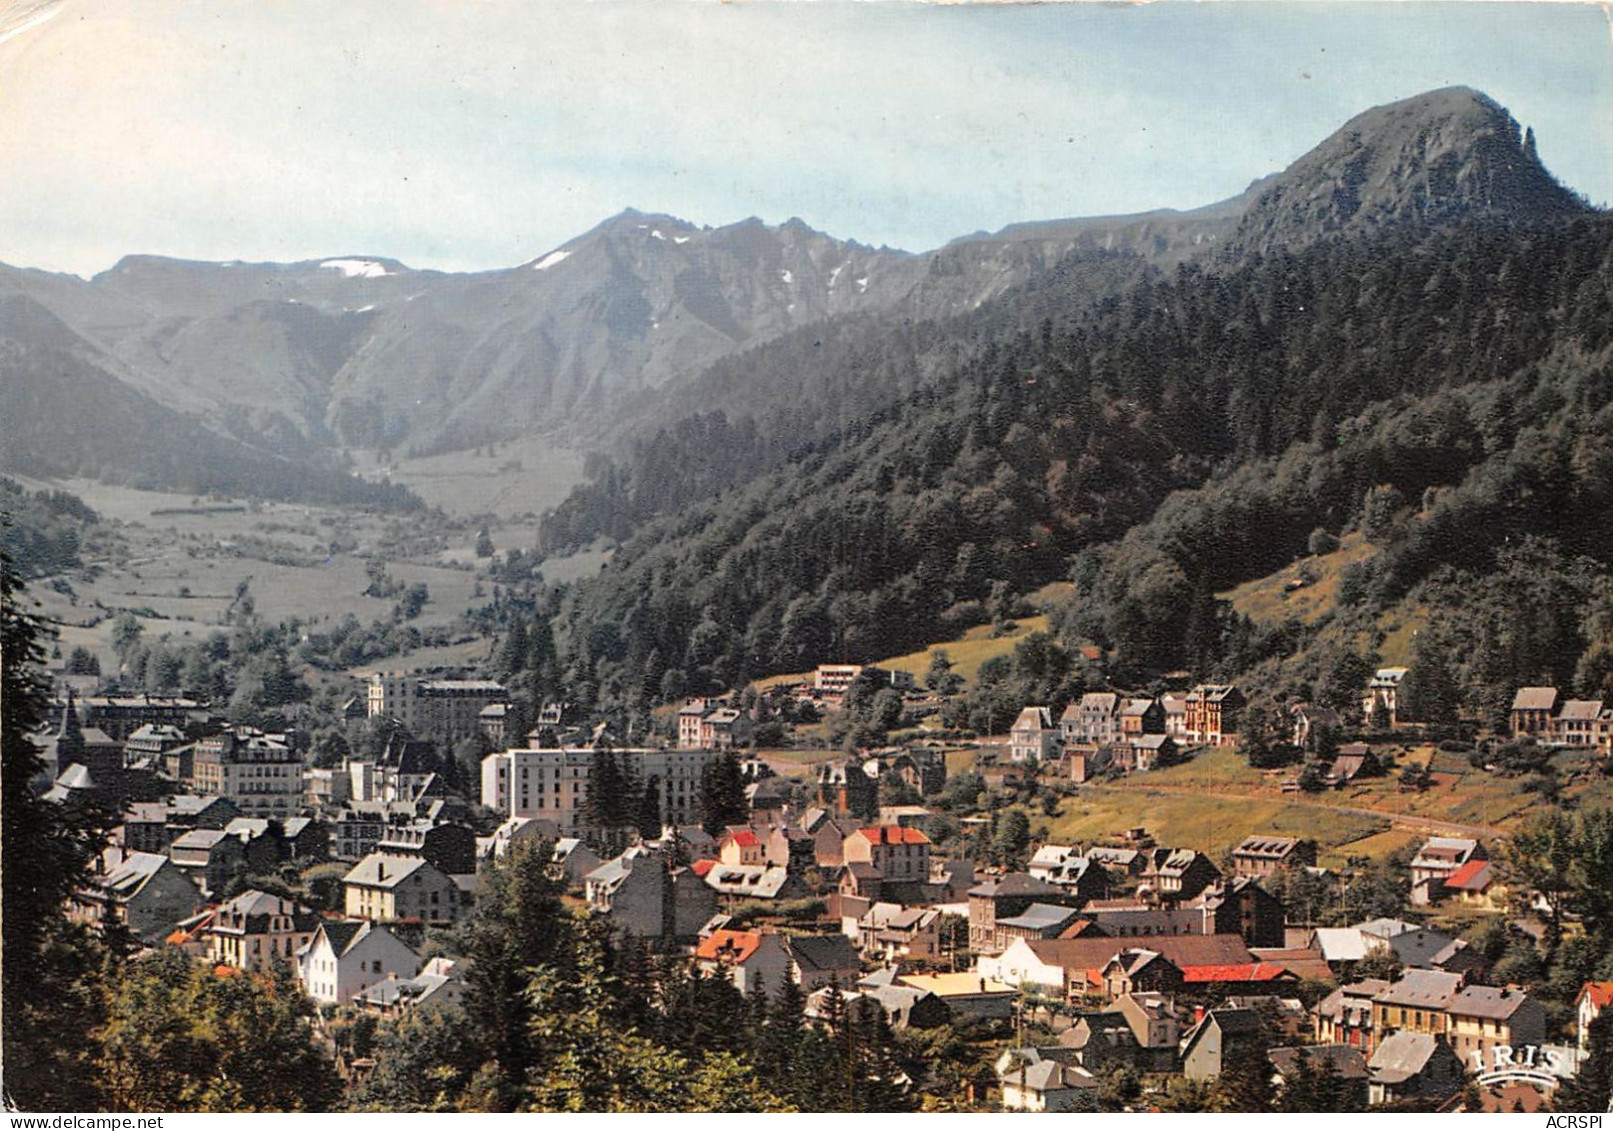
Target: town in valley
1149,662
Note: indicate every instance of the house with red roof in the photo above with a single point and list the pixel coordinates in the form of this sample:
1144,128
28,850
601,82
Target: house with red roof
758,960
749,959
1438,859
1239,977
901,855
1074,968
1473,885
1593,998
741,846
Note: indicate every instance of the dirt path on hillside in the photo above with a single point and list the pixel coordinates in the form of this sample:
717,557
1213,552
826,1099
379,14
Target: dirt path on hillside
1403,820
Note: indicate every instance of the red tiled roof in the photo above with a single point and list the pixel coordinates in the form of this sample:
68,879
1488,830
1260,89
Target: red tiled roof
746,839
1081,928
1467,874
893,834
701,867
1092,952
1234,972
1600,993
729,946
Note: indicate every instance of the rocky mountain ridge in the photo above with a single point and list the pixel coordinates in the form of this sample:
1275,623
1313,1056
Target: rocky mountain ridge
624,321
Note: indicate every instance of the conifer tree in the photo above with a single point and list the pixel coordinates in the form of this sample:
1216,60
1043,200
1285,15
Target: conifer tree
50,975
1245,1080
1591,1087
722,793
513,653
607,805
649,809
519,923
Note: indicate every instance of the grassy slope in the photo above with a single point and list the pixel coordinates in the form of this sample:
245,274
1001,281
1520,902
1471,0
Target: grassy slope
1165,802
514,477
1267,600
1210,826
976,647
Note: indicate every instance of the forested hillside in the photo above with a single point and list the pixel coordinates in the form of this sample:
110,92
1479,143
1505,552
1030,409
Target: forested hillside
810,387
1446,388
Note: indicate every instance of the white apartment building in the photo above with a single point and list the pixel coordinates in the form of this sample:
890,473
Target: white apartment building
553,784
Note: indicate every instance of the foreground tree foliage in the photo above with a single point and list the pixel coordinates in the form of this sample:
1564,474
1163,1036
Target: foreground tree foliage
183,1037
558,1015
591,1058
52,969
1592,1087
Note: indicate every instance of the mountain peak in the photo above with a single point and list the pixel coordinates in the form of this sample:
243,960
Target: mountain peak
1435,157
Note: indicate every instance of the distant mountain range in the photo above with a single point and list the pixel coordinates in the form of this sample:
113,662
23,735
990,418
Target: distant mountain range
229,370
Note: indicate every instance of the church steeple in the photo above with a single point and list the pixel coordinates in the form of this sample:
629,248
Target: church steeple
70,724
69,737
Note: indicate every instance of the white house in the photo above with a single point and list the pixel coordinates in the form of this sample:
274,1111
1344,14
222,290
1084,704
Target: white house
347,956
1045,1079
1033,737
1019,965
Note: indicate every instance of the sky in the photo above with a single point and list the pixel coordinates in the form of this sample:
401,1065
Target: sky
471,134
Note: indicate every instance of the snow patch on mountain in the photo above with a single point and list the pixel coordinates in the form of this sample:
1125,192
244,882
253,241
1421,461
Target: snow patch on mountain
550,260
357,268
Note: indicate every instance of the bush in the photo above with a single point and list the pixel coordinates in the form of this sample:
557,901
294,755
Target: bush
1355,583
1524,756
1543,784
1322,542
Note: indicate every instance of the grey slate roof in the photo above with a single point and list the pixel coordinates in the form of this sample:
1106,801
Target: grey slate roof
1345,1061
1014,884
1040,917
1422,989
378,870
200,839
823,952
1488,1002
1418,949
343,933
1384,928
133,874
1401,1055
